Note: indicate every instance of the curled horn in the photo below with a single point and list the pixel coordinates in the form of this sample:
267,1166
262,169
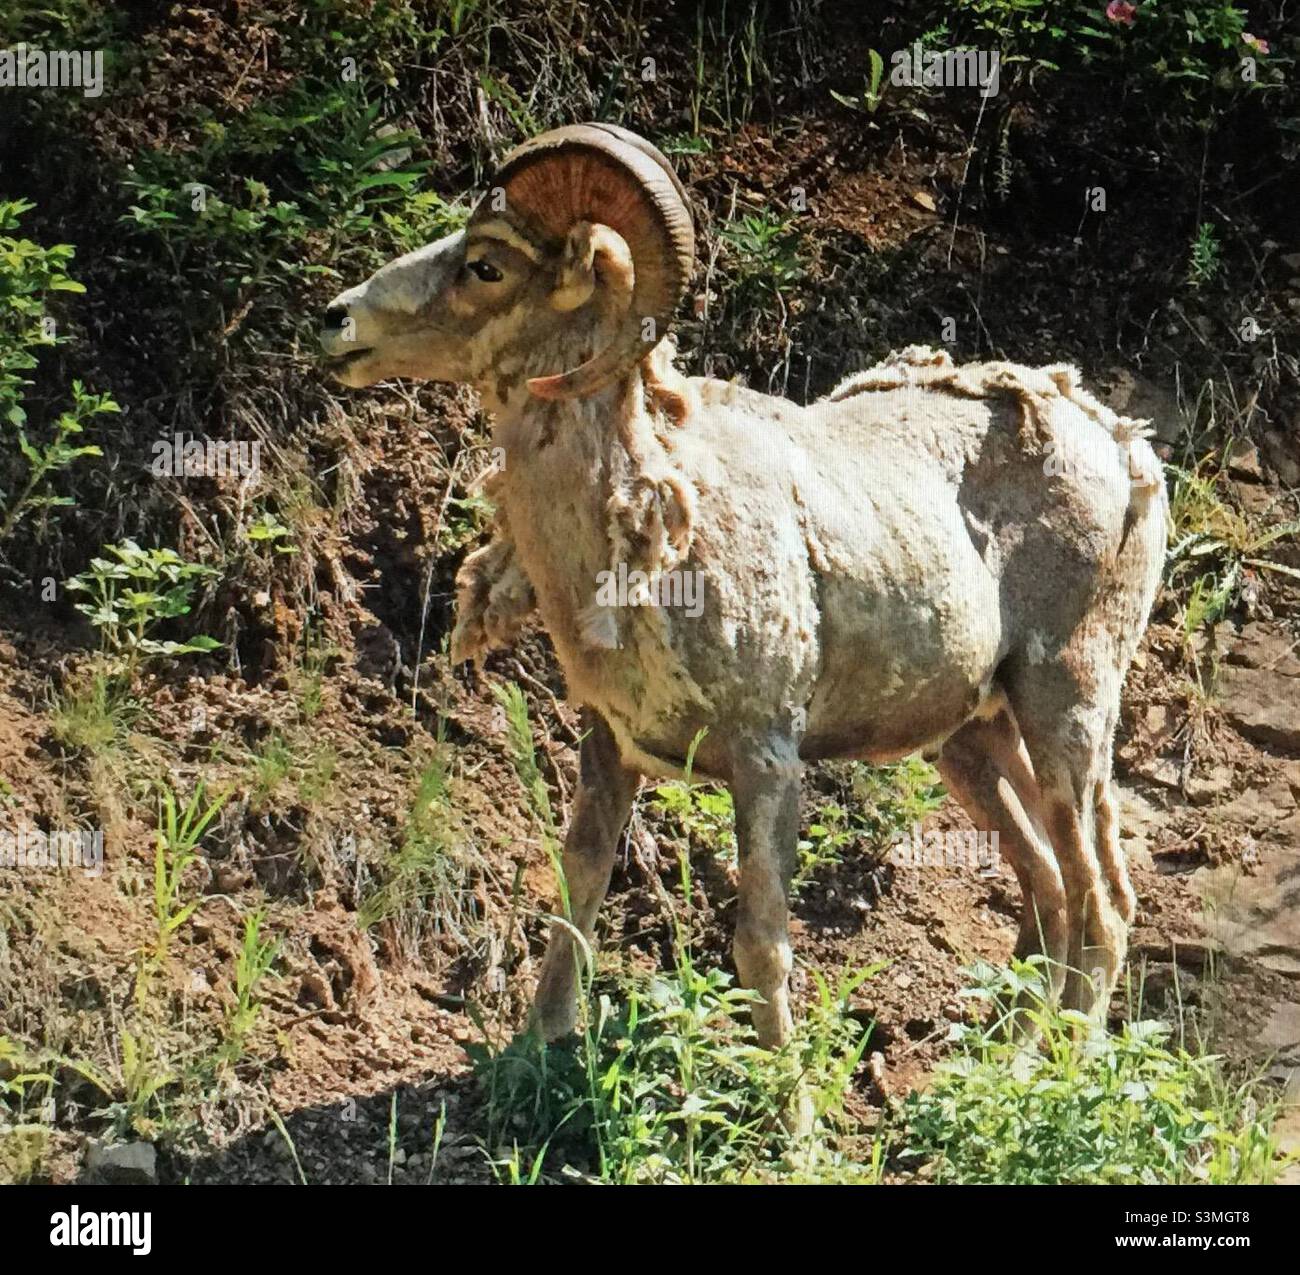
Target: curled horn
605,174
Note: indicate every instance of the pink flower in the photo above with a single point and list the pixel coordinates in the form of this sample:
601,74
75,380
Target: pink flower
1122,12
1260,46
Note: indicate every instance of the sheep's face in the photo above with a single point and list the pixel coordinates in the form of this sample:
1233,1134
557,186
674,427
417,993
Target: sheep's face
478,304
566,275
443,313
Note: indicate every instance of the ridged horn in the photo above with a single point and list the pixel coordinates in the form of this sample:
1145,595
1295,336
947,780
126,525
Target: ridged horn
606,174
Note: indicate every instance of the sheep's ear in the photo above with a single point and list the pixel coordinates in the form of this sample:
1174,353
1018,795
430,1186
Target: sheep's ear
592,253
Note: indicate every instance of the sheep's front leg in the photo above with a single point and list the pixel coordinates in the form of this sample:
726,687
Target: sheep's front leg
765,785
600,809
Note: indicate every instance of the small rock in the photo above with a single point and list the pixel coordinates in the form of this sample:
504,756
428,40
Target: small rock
1243,461
1161,770
1291,777
1143,399
1283,455
315,990
1264,807
1255,498
1139,821
1264,646
1161,722
1281,1034
1203,789
876,1071
123,1164
1263,704
1195,954
1254,915
923,199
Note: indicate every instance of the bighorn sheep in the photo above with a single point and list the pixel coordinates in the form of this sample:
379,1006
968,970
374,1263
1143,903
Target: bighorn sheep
953,559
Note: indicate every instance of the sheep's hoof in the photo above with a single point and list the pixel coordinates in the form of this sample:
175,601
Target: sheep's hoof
799,1119
553,1020
468,642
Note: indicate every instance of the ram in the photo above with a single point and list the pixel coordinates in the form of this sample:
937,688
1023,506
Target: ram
958,560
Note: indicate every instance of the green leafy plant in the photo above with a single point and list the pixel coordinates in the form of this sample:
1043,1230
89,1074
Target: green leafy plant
466,519
704,815
1086,1107
29,274
271,764
1180,53
684,144
312,182
136,1088
827,837
1205,260
1214,547
175,850
729,62
428,881
764,252
523,757
519,112
1207,602
665,1084
882,801
267,529
256,956
420,219
316,777
134,590
308,677
872,93
25,1087
94,713
665,1081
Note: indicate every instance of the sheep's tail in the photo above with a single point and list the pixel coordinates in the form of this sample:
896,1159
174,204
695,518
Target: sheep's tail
1133,437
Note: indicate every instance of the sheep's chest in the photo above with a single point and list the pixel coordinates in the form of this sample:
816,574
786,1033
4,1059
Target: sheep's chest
724,640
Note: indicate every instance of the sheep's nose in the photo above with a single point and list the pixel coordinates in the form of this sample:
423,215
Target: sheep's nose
335,317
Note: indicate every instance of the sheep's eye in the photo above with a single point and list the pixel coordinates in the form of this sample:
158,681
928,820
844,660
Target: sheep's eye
485,270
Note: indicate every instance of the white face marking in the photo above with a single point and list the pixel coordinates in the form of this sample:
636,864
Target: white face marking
504,232
406,285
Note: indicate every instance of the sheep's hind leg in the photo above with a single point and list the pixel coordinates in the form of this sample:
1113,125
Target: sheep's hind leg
1066,709
600,810
1111,853
986,768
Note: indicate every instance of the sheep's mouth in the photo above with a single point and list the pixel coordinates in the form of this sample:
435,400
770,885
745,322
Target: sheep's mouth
336,362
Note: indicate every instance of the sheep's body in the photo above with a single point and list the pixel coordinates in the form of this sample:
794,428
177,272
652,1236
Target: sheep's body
886,550
954,559
932,558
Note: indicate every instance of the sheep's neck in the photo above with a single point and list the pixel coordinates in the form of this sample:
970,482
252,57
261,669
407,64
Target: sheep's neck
561,461
560,458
